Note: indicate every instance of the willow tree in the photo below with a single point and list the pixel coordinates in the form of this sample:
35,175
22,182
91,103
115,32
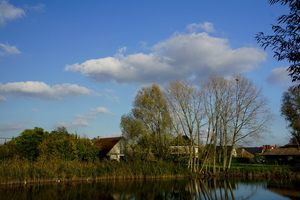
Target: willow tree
147,128
185,106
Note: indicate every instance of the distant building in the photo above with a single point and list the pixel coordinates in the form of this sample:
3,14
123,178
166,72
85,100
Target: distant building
111,148
287,154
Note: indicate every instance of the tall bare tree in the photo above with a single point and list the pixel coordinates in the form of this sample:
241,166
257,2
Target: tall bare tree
217,116
252,115
217,101
238,112
185,107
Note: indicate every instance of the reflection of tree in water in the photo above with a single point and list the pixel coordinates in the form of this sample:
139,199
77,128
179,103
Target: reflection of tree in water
285,187
214,189
186,189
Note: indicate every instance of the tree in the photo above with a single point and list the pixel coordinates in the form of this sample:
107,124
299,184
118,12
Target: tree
27,142
251,112
217,100
290,110
237,111
186,110
147,128
286,39
65,146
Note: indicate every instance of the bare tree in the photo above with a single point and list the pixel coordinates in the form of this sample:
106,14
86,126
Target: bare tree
216,98
251,112
237,112
185,107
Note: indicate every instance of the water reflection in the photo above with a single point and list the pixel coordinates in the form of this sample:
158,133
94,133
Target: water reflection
185,189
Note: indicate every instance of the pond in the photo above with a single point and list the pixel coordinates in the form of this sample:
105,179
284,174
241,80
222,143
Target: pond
183,189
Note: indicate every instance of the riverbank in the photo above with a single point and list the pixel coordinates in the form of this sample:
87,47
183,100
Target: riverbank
22,171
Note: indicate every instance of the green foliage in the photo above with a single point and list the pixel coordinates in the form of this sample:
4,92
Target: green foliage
28,141
7,150
64,146
290,111
34,144
147,128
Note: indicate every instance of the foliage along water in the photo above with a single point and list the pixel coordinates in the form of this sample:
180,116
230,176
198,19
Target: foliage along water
157,189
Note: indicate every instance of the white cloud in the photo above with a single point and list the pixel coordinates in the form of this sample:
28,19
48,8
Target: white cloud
102,110
80,122
108,90
122,49
77,122
180,56
2,98
90,115
6,49
206,26
9,12
41,90
279,76
34,110
39,7
9,127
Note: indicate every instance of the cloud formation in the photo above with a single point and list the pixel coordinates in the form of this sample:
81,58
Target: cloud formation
178,57
34,110
206,26
9,12
34,89
279,76
2,98
90,115
77,122
102,110
9,127
6,49
82,121
39,7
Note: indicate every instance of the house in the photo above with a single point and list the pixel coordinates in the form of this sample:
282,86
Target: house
181,145
254,150
183,150
268,147
111,148
288,154
242,153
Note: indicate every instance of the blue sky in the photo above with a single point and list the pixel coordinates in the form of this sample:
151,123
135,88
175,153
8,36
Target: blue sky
79,64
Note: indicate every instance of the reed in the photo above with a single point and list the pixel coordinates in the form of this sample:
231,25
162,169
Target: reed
264,170
18,170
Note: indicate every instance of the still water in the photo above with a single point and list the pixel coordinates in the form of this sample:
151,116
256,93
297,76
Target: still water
184,189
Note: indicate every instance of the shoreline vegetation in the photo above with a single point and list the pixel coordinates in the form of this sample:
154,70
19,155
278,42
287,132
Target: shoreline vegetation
22,171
